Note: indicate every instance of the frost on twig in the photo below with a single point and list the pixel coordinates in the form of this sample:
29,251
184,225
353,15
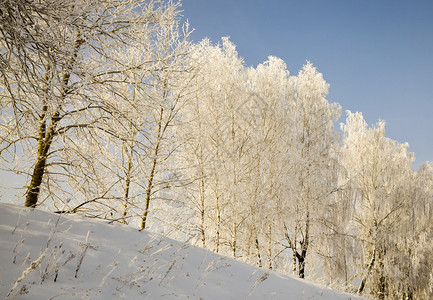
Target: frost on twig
55,262
258,281
32,266
16,249
168,271
84,247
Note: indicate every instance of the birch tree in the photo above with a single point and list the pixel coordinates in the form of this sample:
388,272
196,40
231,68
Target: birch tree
310,173
379,169
213,138
269,89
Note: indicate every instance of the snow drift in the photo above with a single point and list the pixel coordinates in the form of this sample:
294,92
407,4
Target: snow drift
50,256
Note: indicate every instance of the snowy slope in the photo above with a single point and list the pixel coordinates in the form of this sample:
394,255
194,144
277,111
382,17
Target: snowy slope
79,258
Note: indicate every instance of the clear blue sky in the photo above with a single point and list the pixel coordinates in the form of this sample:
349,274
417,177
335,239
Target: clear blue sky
377,55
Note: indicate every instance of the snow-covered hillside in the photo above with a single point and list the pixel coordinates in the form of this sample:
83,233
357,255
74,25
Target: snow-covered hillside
77,258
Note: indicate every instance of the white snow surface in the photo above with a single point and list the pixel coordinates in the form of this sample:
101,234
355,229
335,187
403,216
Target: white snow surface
120,262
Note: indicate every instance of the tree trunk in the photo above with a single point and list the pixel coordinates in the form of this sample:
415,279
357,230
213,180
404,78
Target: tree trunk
269,247
152,172
218,211
370,267
127,185
44,143
202,209
304,247
295,252
382,280
202,178
38,173
301,262
259,258
218,226
345,270
234,237
148,194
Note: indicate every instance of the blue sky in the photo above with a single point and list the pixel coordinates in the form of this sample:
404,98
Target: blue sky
377,55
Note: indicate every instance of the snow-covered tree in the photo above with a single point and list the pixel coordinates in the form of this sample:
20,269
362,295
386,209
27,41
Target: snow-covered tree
310,162
62,62
213,141
379,172
269,89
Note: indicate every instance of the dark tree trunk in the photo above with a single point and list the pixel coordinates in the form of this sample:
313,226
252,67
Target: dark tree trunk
36,181
301,263
148,194
259,258
44,144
